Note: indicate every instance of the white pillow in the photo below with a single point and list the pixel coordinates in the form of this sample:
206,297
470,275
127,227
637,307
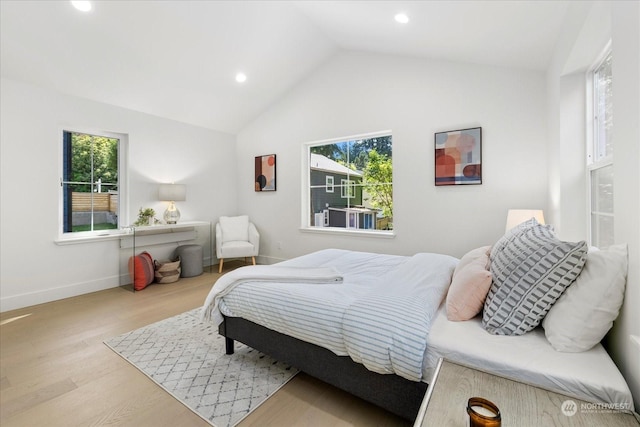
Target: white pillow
235,228
583,315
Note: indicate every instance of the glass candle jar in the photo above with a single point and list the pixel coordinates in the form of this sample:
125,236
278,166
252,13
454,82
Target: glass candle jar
483,413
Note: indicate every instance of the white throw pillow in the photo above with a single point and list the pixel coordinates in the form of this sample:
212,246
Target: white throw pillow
583,315
234,228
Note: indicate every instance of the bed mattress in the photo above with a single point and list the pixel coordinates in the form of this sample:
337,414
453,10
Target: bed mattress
529,358
314,313
379,314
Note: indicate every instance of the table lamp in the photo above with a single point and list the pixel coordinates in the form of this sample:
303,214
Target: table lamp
172,193
518,216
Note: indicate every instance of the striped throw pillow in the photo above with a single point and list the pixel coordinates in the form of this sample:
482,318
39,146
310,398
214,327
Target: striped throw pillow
141,270
531,268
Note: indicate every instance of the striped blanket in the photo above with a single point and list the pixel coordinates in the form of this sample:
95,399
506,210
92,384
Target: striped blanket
262,274
379,314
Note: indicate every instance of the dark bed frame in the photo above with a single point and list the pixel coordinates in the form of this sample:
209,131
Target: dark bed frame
391,392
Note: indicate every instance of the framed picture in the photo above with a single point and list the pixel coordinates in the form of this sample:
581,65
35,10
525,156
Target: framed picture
458,157
265,173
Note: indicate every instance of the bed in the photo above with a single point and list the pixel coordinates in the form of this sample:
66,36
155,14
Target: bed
375,325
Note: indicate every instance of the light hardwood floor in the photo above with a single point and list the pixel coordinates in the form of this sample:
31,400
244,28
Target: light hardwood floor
56,371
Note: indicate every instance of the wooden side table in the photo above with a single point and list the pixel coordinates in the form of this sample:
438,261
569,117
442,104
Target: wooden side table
521,405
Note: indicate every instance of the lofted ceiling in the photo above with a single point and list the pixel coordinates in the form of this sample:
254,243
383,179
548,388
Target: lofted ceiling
178,59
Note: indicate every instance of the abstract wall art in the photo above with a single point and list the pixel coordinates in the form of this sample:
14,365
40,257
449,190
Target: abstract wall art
458,158
265,177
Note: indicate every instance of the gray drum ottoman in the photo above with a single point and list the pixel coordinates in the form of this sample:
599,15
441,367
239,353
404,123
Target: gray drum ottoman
190,260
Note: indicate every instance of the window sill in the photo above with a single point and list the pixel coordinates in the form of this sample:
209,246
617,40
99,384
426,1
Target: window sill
90,238
381,234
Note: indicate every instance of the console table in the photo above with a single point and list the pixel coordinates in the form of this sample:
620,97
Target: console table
520,404
160,241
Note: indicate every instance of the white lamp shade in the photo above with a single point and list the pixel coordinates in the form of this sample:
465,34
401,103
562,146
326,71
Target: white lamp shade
518,216
172,193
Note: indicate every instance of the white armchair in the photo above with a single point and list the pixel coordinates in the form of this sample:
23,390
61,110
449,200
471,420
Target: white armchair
236,237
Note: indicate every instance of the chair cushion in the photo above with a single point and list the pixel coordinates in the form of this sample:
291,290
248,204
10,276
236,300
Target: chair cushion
237,249
234,228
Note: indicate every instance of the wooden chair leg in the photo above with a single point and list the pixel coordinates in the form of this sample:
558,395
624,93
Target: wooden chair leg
254,260
220,267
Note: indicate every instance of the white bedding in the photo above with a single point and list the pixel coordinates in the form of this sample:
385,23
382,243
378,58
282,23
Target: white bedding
529,358
353,317
314,313
265,274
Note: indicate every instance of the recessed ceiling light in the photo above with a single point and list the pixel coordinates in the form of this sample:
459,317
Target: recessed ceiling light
401,18
84,6
241,77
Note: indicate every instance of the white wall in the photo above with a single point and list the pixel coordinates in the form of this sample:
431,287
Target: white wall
35,269
588,28
358,93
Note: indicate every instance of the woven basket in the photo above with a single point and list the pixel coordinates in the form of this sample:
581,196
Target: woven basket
167,271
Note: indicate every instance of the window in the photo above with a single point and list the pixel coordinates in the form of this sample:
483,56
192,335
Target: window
348,188
329,184
600,155
362,166
91,173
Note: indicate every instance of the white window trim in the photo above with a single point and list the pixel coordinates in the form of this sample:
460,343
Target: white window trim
592,163
347,188
590,95
329,184
123,190
305,225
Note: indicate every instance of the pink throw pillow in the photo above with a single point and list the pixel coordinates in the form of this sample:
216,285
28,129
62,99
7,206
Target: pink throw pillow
470,285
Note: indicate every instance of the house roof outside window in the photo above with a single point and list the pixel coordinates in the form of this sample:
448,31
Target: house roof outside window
320,162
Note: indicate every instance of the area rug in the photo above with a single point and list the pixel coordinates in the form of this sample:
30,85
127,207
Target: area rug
187,358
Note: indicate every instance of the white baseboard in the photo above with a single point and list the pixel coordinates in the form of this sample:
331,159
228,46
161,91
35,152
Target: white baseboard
268,260
15,302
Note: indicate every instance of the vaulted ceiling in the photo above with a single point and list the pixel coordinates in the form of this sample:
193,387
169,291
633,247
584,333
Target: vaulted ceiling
178,59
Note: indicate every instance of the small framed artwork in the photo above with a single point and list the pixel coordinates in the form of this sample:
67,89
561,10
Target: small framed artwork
265,173
458,157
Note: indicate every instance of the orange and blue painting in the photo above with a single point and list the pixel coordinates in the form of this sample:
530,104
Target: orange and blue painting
458,157
265,173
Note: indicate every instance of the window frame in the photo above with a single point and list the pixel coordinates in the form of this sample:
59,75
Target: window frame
123,189
347,189
594,161
329,183
306,224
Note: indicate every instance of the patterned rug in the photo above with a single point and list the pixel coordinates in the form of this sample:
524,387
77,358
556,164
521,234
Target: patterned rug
187,359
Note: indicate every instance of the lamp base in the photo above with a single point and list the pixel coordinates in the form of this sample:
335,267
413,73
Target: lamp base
172,214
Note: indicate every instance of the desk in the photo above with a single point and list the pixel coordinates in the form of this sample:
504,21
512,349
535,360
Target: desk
521,405
161,240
